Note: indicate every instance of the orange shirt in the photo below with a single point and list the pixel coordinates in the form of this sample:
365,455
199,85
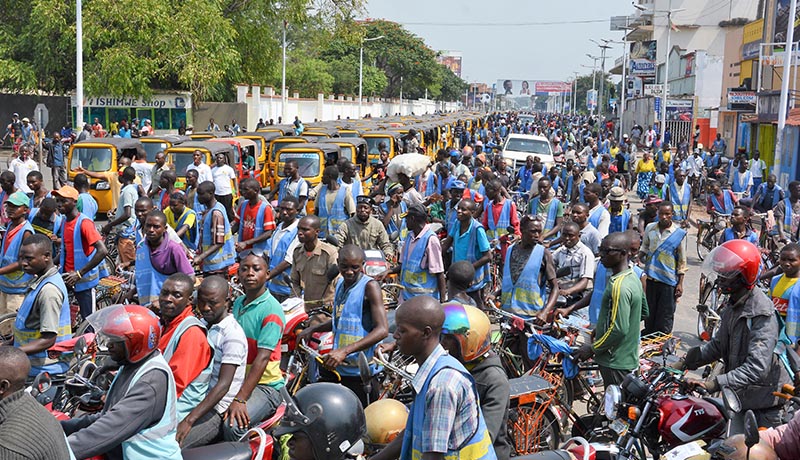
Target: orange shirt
191,356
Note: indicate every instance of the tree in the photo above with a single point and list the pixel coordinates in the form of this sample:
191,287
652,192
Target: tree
452,87
309,76
584,84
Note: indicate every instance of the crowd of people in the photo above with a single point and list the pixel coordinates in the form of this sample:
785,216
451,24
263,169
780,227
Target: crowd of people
470,234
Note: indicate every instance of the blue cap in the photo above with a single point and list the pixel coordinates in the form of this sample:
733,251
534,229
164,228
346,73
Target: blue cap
458,185
454,153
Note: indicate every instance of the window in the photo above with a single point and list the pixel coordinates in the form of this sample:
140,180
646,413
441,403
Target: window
308,164
534,146
176,116
161,119
91,158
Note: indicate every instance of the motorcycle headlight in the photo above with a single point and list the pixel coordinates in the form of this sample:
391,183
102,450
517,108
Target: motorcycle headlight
611,400
103,185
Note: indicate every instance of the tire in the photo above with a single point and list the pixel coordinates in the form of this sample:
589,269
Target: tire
7,328
530,433
705,243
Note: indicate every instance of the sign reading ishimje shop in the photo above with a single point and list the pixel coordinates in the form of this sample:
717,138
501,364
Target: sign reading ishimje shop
741,100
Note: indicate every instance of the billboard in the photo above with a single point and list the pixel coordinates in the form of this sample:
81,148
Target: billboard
680,109
532,87
451,60
642,58
782,20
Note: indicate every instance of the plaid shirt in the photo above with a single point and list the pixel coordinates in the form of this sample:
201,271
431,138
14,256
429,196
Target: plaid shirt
450,406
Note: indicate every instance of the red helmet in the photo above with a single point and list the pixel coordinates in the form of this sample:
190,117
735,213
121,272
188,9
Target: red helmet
735,258
138,327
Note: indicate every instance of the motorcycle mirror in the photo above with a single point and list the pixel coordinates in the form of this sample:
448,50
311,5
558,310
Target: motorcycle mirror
731,399
363,368
751,436
80,347
42,382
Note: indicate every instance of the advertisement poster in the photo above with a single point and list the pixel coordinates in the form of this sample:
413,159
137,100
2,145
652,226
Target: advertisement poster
451,60
642,58
782,20
679,109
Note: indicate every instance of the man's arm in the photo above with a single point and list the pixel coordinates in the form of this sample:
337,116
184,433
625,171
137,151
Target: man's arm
384,243
550,273
494,403
763,337
214,396
379,331
217,221
237,411
100,253
620,323
190,358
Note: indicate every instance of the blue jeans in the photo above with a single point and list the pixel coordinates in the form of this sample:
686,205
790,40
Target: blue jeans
86,302
261,405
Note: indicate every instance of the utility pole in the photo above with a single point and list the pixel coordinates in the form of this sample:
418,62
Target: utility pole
78,67
283,74
361,71
594,77
787,67
603,47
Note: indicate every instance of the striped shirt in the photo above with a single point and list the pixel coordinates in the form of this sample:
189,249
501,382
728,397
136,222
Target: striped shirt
449,406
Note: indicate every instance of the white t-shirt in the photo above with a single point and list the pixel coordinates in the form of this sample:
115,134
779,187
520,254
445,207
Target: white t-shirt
230,347
144,173
278,235
757,168
203,172
223,175
21,169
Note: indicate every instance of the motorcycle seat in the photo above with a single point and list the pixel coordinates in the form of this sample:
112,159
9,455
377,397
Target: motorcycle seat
546,455
717,402
222,451
527,384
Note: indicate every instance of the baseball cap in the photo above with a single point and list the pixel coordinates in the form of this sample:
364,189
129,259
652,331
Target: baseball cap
19,199
365,199
417,210
652,199
26,120
457,185
454,153
616,194
67,192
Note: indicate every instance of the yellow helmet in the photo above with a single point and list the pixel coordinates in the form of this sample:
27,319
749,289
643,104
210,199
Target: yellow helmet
470,327
386,418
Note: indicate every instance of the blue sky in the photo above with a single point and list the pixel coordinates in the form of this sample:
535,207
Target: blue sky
507,39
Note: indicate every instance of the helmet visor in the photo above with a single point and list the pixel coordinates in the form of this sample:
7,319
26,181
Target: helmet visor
294,419
723,265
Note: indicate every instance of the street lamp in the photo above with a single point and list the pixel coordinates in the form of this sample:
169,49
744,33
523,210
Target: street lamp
283,74
361,69
78,66
603,47
594,74
664,93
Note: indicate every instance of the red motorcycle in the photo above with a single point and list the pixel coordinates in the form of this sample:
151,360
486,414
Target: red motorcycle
657,410
256,444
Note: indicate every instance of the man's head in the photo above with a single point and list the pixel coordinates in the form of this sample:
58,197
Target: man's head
545,185
160,159
35,180
7,180
250,189
419,323
175,296
167,179
416,217
614,249
465,210
155,226
212,299
580,212
664,214
308,229
794,190
330,175
460,276
635,241
351,263
493,189
290,168
81,182
592,193
771,181
571,233
197,157
205,192
177,203
220,159
47,208
36,254
191,177
253,272
141,208
288,209
128,175
364,207
531,228
789,260
17,206
739,216
14,370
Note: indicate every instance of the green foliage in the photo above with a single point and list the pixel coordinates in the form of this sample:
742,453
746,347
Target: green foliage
452,88
308,76
584,84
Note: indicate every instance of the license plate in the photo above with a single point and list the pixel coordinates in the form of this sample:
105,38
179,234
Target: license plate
619,427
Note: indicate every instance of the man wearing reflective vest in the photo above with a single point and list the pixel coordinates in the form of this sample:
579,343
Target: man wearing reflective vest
720,201
334,203
217,249
664,255
157,257
44,317
420,263
445,420
620,217
358,324
255,218
680,195
786,212
82,251
528,268
549,208
598,214
469,242
184,343
499,215
13,279
280,249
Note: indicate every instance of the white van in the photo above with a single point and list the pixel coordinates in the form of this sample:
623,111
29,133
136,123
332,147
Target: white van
519,146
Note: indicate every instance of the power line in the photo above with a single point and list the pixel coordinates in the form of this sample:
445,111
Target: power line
504,24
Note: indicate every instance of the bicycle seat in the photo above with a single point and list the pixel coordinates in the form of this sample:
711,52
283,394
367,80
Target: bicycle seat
222,451
527,384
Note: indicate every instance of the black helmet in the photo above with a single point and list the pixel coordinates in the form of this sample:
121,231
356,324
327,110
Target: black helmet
329,414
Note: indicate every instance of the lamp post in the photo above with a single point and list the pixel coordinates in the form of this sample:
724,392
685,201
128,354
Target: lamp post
361,70
665,91
594,75
603,47
283,74
78,66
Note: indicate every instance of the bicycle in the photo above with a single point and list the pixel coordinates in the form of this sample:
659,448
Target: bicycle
708,233
7,328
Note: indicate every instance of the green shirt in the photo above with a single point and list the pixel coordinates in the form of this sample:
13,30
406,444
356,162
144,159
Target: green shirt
616,343
262,321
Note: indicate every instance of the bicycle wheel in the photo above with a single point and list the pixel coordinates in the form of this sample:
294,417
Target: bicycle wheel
533,428
391,295
7,328
705,243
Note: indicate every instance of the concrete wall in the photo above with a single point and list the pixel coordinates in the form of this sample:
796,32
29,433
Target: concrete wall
265,103
640,110
52,108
